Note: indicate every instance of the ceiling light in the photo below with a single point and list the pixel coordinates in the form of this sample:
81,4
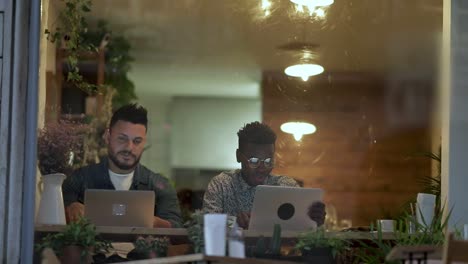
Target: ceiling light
303,70
319,12
266,7
313,3
315,8
298,129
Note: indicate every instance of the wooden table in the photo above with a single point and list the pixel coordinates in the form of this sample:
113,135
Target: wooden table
419,254
178,237
128,234
121,234
209,259
344,235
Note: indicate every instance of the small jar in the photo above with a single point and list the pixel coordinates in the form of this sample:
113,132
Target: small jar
236,246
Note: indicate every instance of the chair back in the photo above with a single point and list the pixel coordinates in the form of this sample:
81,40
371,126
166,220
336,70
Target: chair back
455,250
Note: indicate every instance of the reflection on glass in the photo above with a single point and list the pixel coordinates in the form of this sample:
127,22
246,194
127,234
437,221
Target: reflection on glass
315,7
303,70
205,68
331,218
266,6
298,129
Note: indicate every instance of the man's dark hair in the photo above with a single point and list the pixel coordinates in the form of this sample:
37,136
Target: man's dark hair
132,113
256,133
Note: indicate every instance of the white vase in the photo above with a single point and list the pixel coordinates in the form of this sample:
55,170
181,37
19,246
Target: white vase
51,208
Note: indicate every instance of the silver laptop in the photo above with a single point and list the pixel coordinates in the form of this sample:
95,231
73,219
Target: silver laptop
120,208
287,206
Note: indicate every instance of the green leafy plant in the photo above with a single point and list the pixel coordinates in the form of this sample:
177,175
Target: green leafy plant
149,247
95,147
432,183
80,233
195,231
261,250
118,62
319,239
275,245
432,234
69,35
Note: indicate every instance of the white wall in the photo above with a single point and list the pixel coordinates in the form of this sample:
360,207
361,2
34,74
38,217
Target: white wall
156,156
204,130
193,132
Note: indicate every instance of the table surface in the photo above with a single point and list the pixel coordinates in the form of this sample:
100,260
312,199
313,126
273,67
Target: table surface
128,233
415,252
211,259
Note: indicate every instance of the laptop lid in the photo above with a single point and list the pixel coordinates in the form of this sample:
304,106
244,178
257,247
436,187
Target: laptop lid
120,208
287,206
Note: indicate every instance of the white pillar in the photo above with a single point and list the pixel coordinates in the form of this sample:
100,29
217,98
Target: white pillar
454,105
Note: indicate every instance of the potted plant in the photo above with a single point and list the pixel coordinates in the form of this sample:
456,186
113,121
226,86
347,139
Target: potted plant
316,246
149,247
59,148
76,243
118,61
195,231
68,34
433,234
274,250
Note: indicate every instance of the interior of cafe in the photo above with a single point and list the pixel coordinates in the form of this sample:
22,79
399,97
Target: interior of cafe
203,69
353,90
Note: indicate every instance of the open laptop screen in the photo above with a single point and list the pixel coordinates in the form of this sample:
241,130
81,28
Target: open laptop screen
120,208
287,206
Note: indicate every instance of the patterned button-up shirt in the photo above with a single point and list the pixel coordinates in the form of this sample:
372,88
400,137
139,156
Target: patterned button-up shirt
228,193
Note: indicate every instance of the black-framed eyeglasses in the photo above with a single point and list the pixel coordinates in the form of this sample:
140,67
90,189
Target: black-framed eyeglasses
254,162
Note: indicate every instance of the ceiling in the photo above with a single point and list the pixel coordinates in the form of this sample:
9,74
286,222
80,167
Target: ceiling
221,48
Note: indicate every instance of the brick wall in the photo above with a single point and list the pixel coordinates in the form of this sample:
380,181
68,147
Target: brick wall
368,130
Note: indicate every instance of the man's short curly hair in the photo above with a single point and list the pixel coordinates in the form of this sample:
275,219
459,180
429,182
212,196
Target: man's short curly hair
256,133
132,113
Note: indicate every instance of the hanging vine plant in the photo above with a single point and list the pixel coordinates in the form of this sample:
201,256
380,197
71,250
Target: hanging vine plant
69,36
118,61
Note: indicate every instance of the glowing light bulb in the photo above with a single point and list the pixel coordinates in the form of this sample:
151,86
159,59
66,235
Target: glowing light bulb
313,3
266,5
298,129
314,7
320,13
297,136
304,71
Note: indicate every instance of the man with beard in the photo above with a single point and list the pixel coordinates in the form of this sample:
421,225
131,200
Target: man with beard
125,139
232,192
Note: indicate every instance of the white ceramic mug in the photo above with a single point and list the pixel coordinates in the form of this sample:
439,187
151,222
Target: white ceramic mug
387,225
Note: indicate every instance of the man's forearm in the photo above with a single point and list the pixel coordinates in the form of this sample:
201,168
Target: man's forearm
161,223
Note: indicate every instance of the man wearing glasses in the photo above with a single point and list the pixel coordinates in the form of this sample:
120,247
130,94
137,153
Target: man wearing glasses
233,192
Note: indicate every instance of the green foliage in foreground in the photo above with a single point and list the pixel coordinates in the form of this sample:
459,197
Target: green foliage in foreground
378,249
80,233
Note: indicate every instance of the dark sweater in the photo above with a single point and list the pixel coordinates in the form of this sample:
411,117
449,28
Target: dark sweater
96,176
